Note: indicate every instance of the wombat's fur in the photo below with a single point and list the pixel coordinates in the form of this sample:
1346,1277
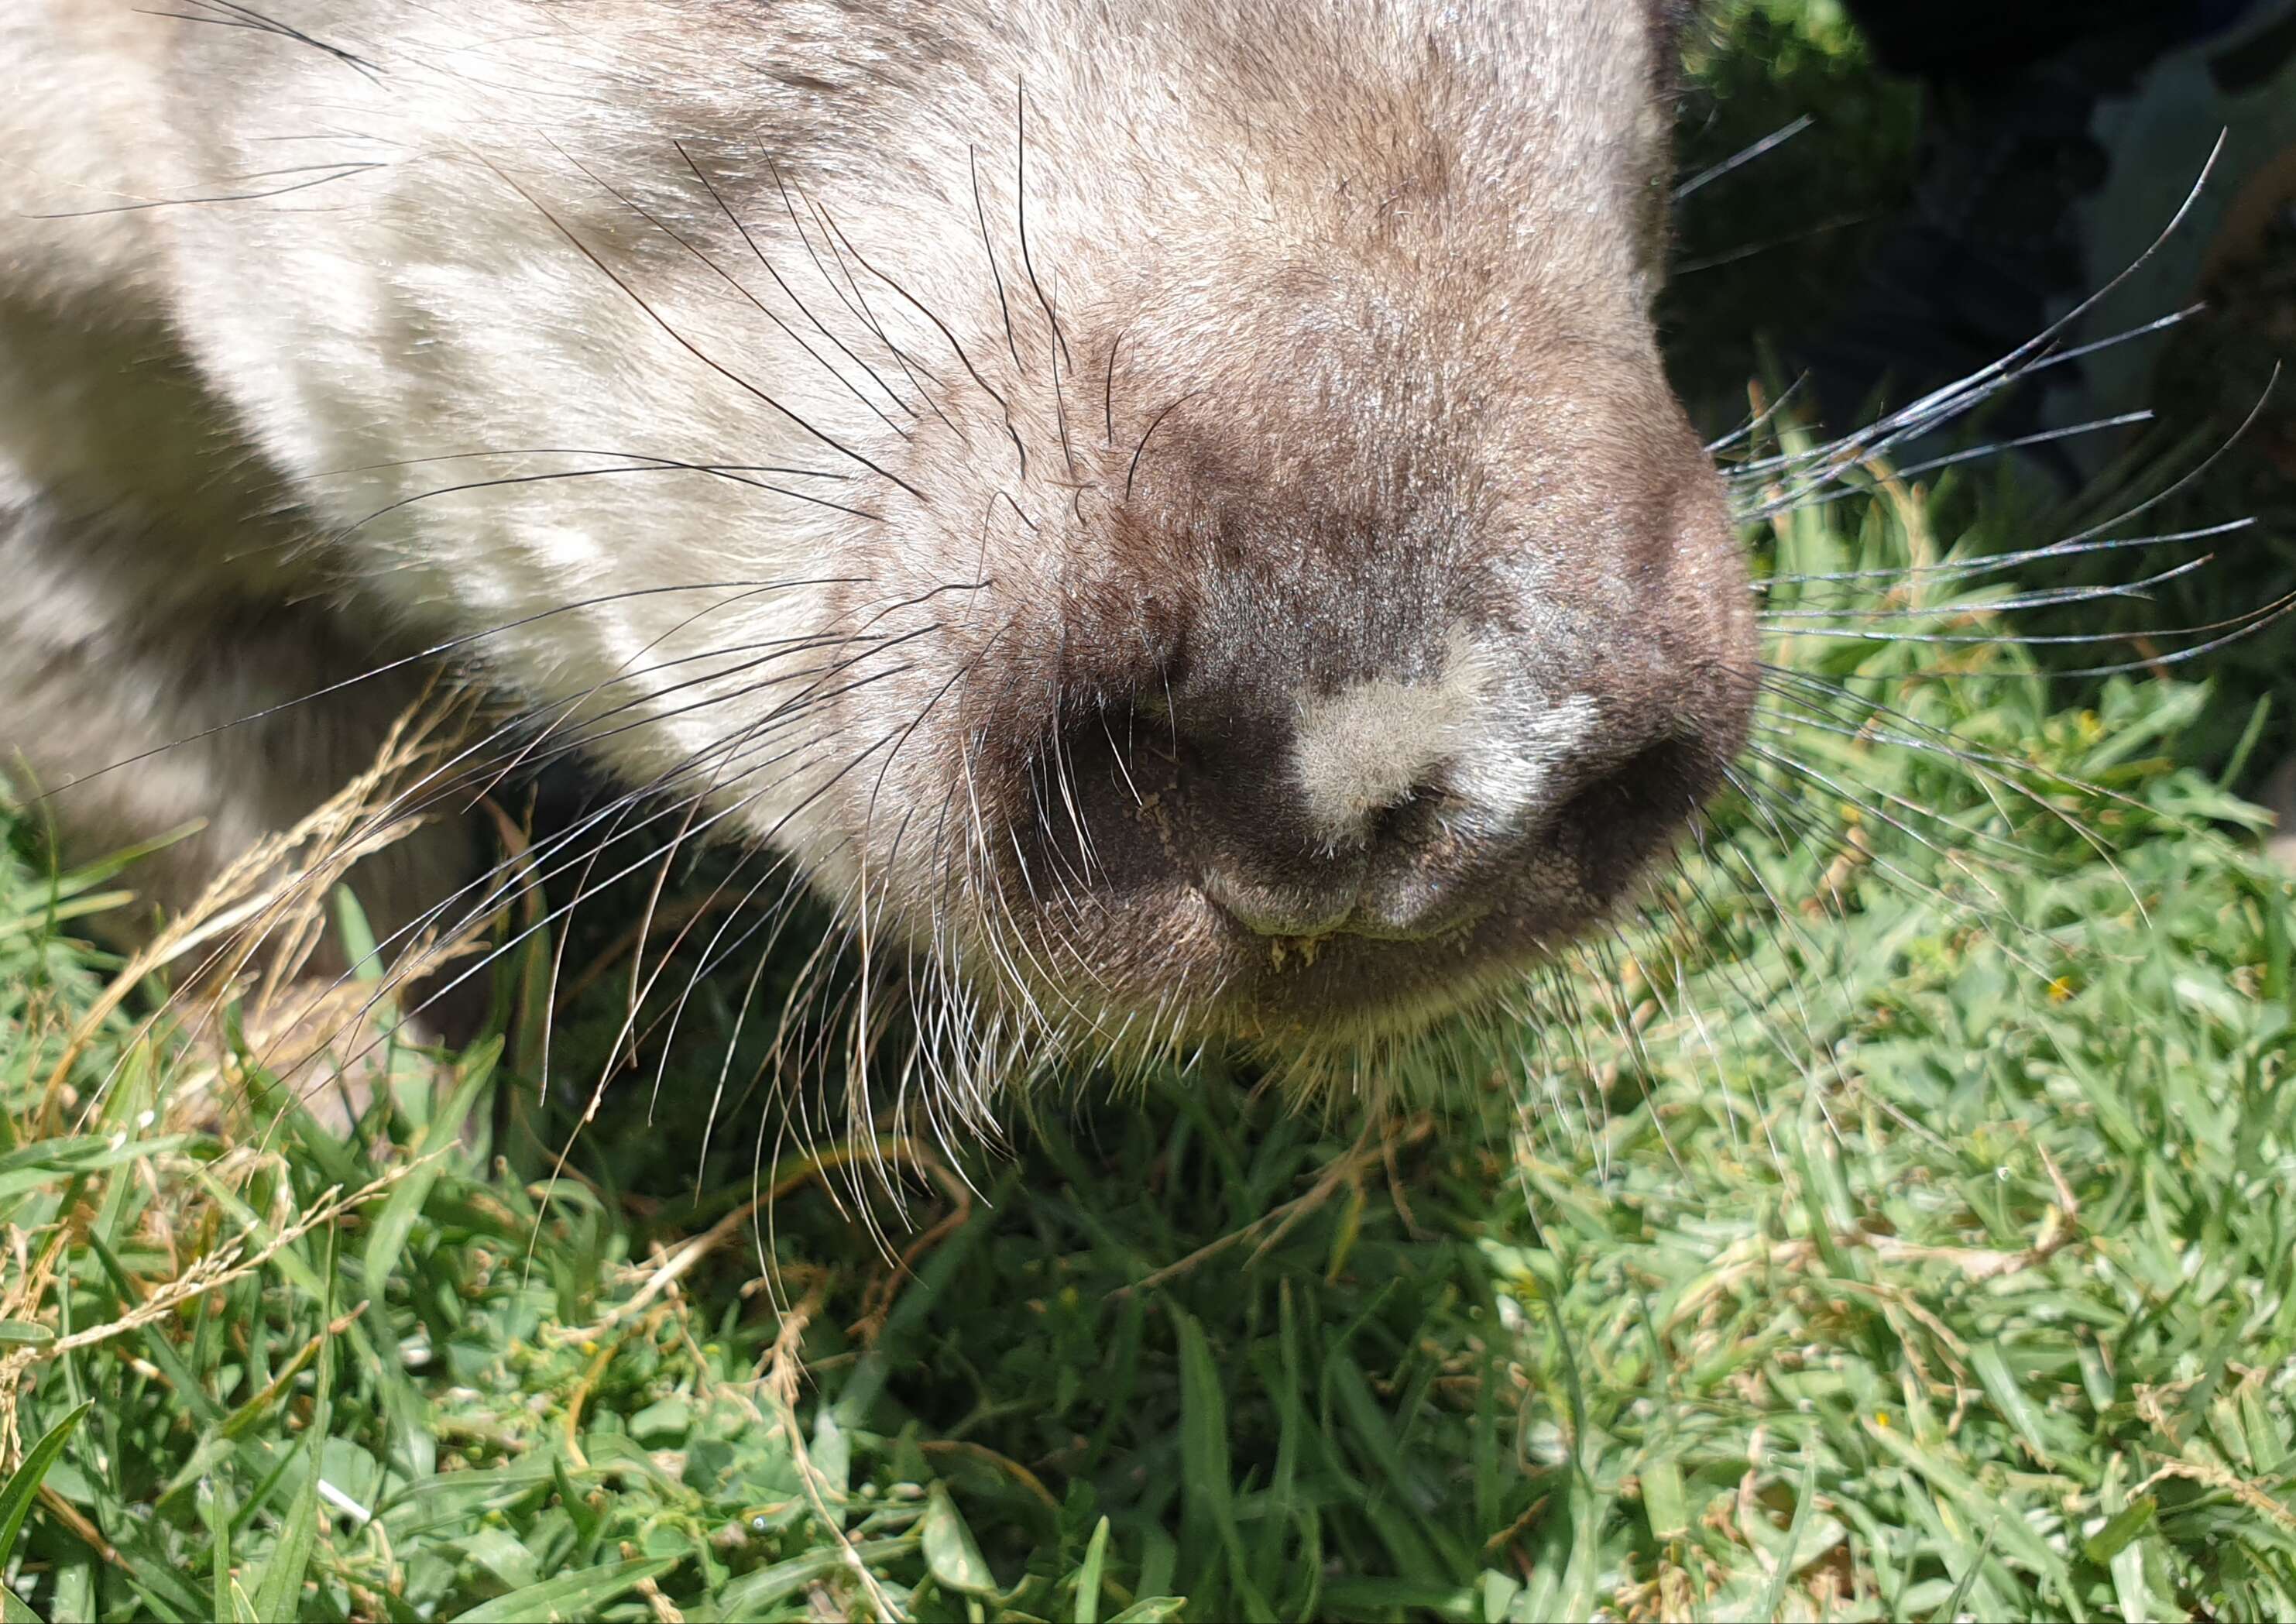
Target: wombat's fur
1167,511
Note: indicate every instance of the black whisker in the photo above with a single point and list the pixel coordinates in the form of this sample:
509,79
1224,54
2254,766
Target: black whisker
683,343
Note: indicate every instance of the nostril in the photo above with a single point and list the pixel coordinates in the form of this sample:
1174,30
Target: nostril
1412,821
1623,807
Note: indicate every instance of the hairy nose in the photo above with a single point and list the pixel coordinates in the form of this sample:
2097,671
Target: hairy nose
1404,808
1376,746
1362,807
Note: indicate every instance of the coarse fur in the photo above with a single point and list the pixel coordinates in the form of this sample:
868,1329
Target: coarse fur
1168,513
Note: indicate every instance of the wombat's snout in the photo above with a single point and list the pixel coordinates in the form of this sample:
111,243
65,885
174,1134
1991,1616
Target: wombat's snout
1169,516
1379,763
1374,806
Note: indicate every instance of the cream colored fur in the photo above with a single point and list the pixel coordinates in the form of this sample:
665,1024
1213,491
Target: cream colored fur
274,281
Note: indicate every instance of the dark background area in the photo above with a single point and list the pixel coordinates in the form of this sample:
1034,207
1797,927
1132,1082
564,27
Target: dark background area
1769,253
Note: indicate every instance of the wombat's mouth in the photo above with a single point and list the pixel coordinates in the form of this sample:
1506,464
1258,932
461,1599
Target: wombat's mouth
1208,977
1361,928
1332,992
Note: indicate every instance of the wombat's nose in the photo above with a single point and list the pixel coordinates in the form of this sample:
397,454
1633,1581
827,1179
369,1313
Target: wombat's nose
1340,808
1402,809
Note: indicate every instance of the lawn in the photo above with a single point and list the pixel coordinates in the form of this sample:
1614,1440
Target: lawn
1897,1220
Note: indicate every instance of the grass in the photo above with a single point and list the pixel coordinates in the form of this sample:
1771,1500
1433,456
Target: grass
1899,1224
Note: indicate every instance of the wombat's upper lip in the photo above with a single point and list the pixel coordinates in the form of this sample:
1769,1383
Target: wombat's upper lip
1360,924
1343,984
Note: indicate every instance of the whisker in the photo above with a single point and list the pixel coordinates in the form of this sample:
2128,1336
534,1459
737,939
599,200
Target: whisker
686,344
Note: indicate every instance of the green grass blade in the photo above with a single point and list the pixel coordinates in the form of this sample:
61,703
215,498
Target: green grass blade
951,1553
279,1585
216,1514
1207,1490
23,1484
1773,1594
1088,1585
1952,1609
405,1204
570,1596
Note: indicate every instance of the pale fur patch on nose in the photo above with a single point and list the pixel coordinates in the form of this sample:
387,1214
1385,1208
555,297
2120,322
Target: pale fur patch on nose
1372,744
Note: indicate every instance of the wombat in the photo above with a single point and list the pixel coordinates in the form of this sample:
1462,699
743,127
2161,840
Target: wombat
1168,514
